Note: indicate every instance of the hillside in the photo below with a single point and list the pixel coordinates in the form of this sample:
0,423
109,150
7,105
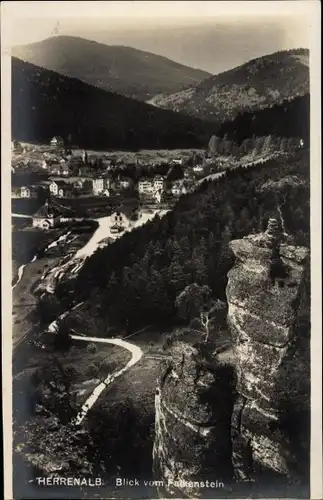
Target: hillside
291,118
140,275
257,84
45,104
127,71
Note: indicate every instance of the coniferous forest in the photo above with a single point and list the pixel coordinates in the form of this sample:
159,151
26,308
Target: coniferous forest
289,119
137,279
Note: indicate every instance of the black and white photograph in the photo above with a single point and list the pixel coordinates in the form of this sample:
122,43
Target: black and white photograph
162,173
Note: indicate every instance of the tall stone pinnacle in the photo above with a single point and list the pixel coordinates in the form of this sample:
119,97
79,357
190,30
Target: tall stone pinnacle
274,234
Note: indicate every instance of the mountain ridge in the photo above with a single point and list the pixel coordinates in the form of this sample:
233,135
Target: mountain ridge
128,71
45,104
256,84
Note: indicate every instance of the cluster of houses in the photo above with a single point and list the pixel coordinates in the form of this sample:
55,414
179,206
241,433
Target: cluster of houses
101,186
74,175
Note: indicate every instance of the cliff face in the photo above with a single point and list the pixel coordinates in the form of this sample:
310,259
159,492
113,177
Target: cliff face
247,424
268,319
193,410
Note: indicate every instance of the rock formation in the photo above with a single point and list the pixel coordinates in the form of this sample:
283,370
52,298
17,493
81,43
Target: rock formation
268,315
193,442
243,425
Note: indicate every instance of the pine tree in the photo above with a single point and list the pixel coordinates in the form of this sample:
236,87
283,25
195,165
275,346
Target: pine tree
185,249
259,145
267,144
176,276
159,303
214,144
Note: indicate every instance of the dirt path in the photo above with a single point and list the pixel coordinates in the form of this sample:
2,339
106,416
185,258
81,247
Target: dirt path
137,354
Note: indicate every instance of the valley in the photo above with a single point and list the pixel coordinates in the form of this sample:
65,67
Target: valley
160,274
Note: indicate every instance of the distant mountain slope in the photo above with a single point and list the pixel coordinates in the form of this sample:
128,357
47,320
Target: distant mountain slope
288,119
257,84
45,104
127,71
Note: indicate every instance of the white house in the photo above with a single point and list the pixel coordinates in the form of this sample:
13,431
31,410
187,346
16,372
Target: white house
28,192
198,168
158,183
98,185
53,188
119,220
145,186
157,195
64,170
178,189
59,188
46,217
57,141
25,192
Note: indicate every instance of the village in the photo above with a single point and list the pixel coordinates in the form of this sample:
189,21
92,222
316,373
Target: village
63,182
56,174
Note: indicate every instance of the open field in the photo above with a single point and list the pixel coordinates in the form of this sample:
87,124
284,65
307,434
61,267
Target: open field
89,363
146,155
83,206
26,206
36,150
26,244
24,301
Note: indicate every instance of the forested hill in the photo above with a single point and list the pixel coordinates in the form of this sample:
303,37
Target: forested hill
125,70
289,119
137,278
257,84
46,104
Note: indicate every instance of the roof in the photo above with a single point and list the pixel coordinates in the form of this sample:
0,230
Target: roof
61,183
145,179
29,187
57,138
46,211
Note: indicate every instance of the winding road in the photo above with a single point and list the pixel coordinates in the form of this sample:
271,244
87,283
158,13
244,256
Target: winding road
22,216
137,354
21,271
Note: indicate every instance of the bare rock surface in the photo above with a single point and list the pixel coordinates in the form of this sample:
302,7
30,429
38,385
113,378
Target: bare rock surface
268,320
245,423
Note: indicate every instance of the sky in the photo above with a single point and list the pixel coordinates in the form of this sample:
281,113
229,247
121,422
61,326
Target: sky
213,36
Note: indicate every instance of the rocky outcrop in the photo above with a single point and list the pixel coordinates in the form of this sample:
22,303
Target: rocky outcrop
268,315
192,450
243,425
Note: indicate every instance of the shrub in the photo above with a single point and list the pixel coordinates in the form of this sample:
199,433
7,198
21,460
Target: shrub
91,348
